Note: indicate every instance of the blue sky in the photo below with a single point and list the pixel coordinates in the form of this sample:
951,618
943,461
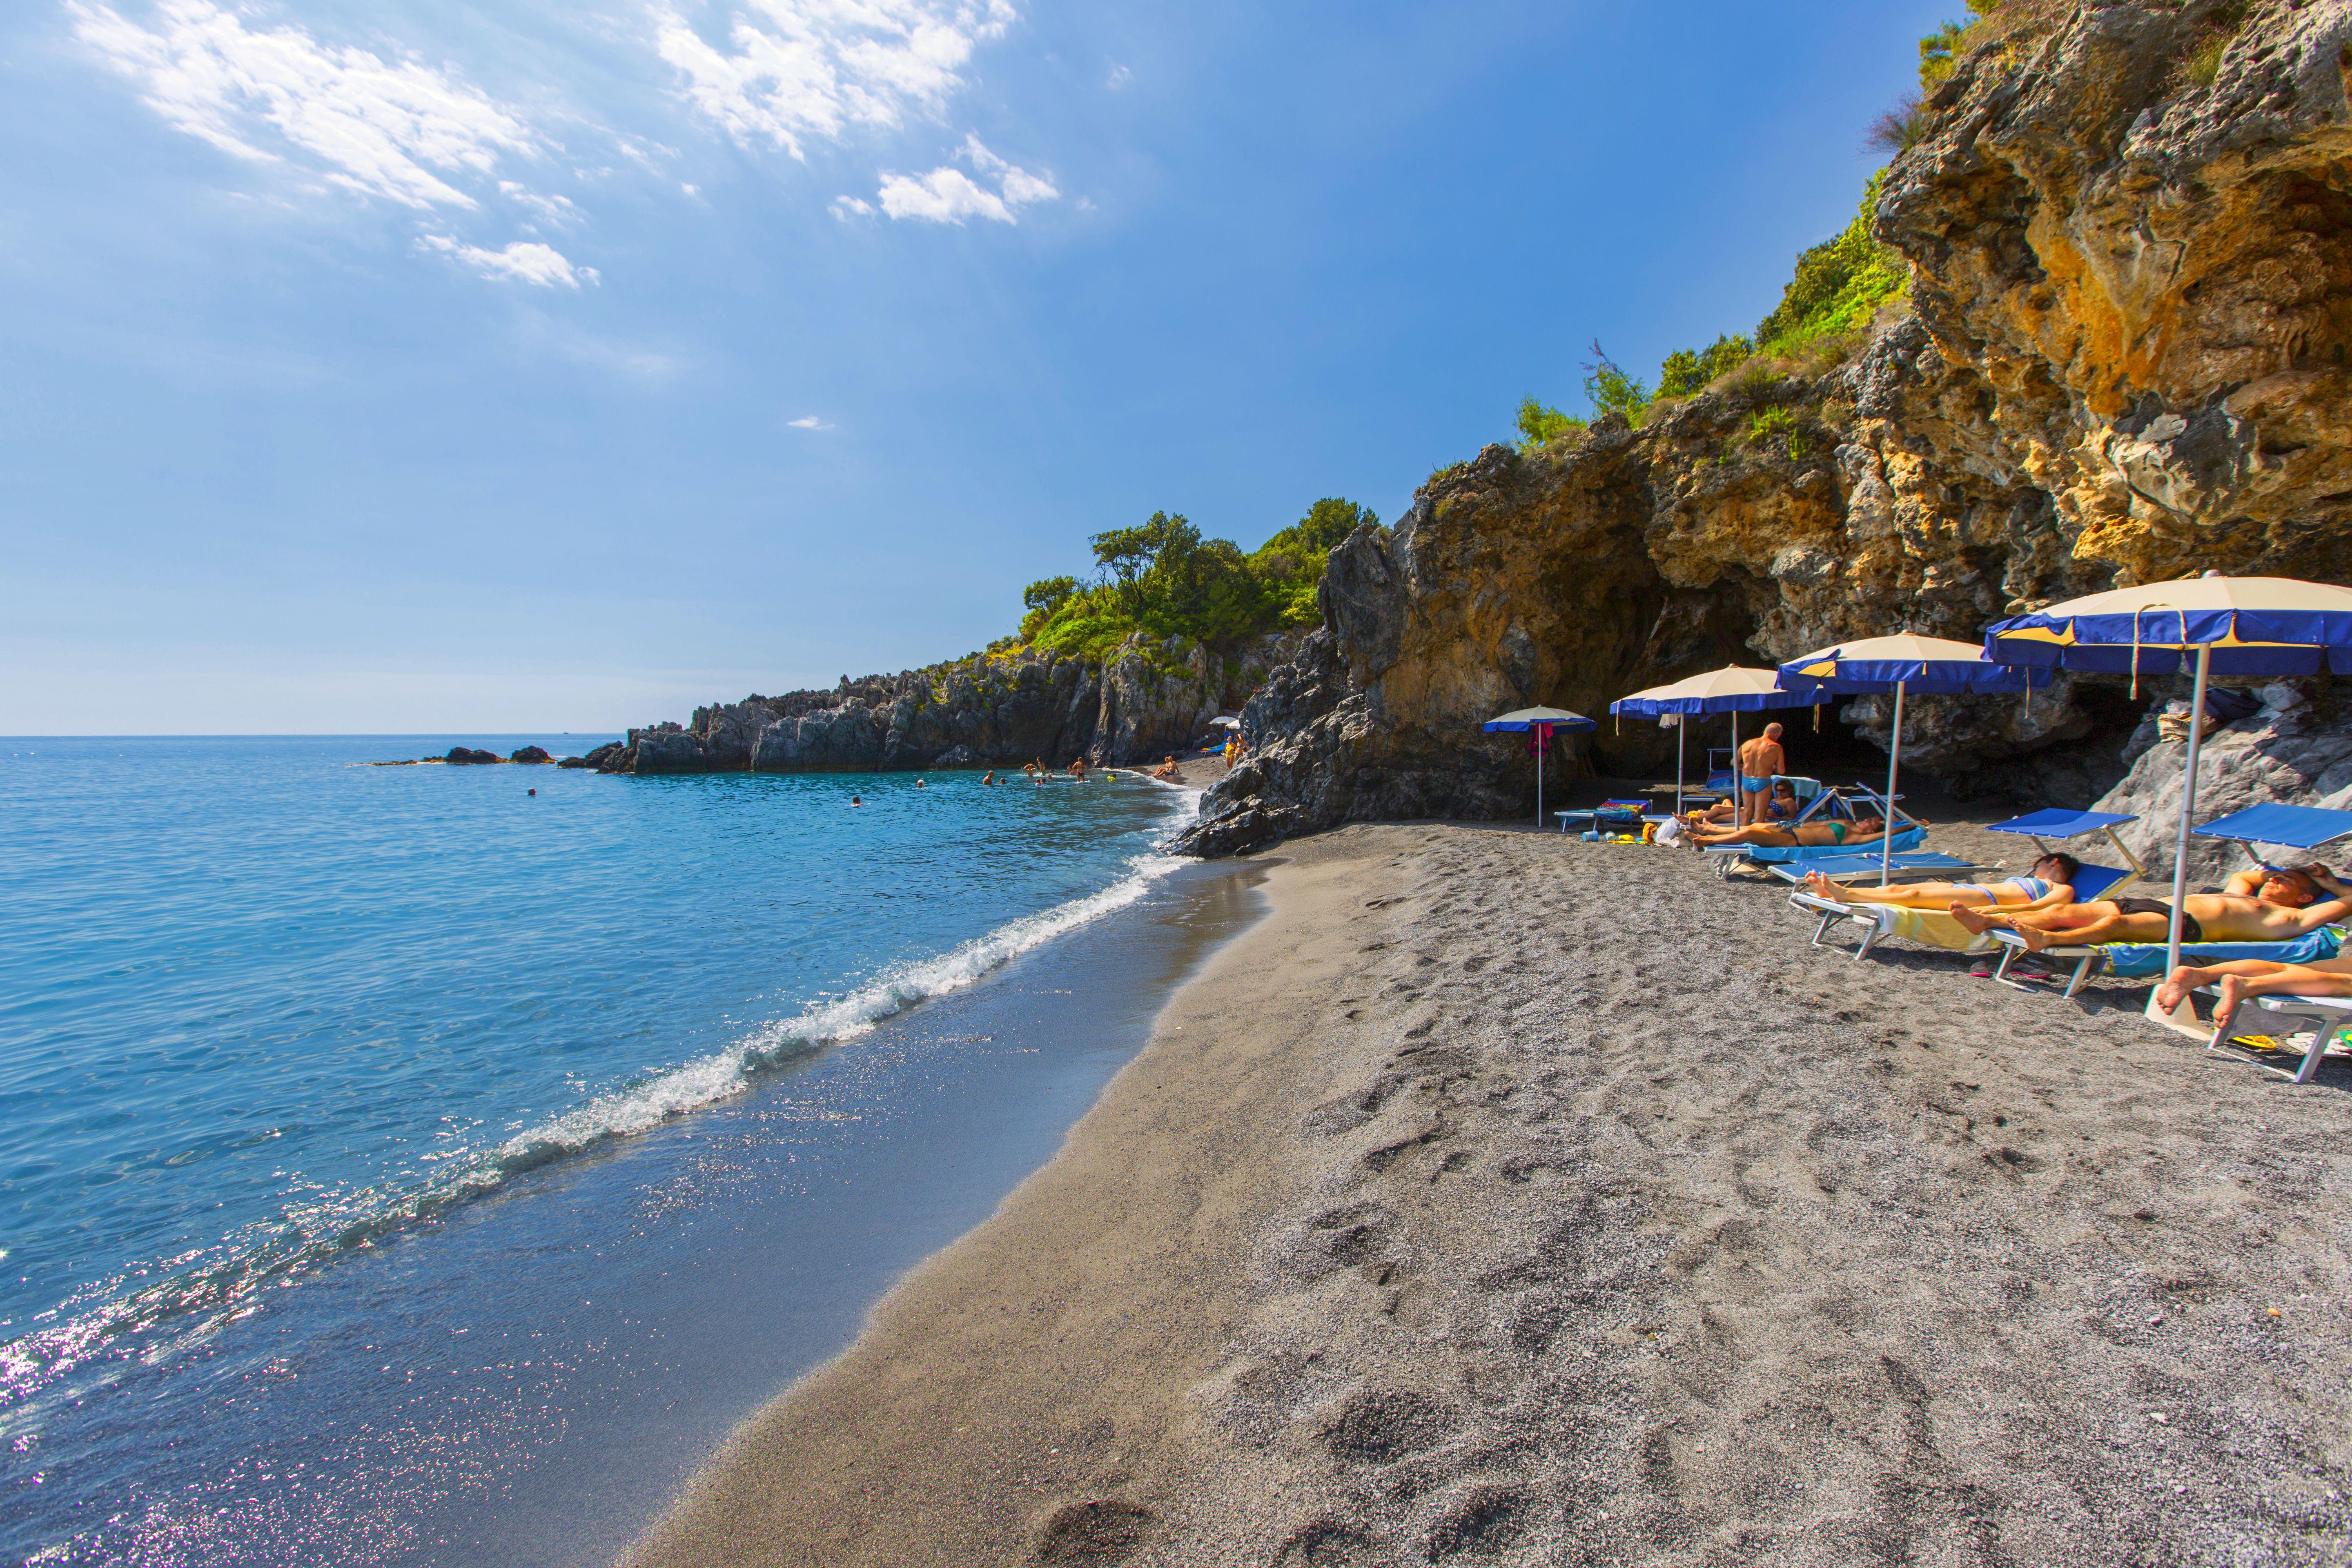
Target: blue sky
409,365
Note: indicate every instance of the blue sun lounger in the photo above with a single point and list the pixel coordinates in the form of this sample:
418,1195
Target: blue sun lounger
2325,1016
1726,858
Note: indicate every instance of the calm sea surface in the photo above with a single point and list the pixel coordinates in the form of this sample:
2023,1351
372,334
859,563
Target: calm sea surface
309,1070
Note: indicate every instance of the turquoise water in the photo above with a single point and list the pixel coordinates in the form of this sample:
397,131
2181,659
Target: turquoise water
264,1010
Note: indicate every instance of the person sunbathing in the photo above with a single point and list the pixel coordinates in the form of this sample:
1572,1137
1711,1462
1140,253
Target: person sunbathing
2239,978
2263,905
2049,886
1784,806
1853,835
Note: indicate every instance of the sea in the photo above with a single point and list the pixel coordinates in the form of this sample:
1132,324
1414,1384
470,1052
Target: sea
434,1163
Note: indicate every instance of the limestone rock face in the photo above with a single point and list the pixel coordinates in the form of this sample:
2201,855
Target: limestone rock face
2295,749
2125,360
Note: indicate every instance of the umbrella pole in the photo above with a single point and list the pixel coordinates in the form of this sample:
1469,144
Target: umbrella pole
1542,734
2188,808
1893,760
1679,727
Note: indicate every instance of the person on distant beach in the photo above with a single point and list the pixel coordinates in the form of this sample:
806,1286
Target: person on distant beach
1759,760
1167,769
2239,978
2261,905
1864,830
2050,886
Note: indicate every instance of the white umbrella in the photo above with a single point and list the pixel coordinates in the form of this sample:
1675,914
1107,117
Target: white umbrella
1543,721
1732,690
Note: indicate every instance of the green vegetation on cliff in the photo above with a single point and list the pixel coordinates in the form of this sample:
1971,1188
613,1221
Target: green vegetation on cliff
1163,579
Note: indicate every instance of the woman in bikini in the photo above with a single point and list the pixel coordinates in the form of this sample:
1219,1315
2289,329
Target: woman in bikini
1853,835
2050,885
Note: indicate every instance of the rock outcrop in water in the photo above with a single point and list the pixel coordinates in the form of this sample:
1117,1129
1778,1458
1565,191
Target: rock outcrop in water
2125,360
1145,700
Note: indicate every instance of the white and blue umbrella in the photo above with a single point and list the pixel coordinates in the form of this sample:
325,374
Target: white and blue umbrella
2233,625
1732,690
1902,664
1543,721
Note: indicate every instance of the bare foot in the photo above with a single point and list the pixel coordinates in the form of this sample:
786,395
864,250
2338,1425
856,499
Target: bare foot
1819,885
1971,919
2035,941
2176,985
2233,991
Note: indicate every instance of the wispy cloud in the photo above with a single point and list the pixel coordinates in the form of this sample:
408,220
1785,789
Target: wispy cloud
396,129
1119,77
524,261
794,71
811,421
948,194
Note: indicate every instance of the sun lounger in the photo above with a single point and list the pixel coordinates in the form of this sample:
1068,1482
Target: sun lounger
1928,928
1858,866
1725,856
2145,960
2325,1016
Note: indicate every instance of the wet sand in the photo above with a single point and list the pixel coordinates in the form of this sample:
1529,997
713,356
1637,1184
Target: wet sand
1522,1200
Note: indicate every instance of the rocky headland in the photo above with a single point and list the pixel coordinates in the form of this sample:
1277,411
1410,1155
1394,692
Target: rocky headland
2121,355
2122,358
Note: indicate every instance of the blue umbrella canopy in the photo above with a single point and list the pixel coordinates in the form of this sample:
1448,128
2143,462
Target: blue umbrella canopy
2253,625
1924,666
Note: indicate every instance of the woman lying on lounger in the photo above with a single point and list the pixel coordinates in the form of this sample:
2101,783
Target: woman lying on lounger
1864,830
2050,885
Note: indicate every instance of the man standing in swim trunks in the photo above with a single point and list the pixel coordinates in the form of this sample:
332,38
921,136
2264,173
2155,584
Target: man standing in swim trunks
2261,905
1759,760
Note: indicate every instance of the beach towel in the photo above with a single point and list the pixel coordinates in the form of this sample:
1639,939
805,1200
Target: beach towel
2133,960
1909,839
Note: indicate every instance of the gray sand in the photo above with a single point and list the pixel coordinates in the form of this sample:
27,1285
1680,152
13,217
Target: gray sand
1528,1201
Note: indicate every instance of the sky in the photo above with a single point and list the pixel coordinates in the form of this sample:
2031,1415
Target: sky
400,366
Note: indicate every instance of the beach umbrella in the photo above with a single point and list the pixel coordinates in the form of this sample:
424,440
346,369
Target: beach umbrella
1903,664
1543,721
1732,690
2233,625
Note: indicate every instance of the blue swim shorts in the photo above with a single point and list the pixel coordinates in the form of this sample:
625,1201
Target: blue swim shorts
1755,786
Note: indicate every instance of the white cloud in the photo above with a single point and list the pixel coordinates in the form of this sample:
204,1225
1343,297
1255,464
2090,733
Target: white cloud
847,207
948,194
523,261
1119,77
396,129
560,211
799,69
811,423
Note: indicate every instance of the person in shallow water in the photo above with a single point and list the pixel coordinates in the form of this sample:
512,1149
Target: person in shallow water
854,801
1864,830
2259,905
921,785
989,777
2050,885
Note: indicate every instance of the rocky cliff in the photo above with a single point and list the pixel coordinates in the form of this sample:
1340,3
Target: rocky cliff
1142,701
2124,358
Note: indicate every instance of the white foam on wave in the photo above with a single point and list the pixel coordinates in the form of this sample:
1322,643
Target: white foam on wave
627,1111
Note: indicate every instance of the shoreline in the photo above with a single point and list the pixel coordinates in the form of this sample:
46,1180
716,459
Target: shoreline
1503,1198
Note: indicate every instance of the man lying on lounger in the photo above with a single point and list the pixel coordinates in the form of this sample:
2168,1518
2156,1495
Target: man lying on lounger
1862,831
2263,905
2049,886
2239,978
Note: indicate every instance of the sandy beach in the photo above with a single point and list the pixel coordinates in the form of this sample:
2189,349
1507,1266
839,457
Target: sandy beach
1522,1200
